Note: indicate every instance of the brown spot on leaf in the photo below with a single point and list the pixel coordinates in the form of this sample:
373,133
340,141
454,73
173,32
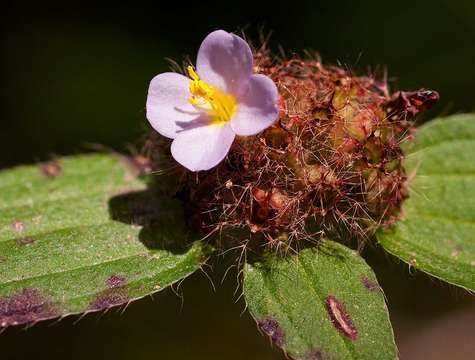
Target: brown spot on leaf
317,355
115,281
340,318
108,300
18,226
271,328
370,284
50,169
25,241
25,307
456,251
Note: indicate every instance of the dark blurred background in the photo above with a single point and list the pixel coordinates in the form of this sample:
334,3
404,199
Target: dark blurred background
77,74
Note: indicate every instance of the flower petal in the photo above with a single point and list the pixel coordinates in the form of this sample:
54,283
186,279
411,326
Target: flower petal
202,148
257,108
225,60
168,109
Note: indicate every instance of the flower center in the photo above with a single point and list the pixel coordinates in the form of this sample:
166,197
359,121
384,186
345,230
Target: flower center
222,106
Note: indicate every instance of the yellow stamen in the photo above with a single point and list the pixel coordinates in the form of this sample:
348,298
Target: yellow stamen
222,106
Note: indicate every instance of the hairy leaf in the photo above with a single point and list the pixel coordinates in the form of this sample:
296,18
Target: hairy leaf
84,234
323,303
437,232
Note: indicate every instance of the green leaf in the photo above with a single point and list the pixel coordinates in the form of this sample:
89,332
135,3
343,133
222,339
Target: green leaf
437,232
85,234
323,303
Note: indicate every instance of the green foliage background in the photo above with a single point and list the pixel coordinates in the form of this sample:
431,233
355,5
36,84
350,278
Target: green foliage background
75,75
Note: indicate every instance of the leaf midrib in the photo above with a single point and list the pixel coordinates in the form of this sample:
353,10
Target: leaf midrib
94,265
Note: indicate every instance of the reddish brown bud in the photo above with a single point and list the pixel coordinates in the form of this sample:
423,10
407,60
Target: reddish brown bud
277,199
261,196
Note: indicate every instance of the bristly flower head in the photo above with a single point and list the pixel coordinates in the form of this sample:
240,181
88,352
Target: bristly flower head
221,99
330,167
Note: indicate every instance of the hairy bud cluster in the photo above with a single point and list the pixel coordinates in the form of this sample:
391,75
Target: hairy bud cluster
330,166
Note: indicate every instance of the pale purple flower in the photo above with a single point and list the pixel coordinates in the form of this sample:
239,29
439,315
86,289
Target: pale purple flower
222,99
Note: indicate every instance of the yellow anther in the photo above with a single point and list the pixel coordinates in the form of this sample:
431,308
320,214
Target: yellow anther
222,106
192,73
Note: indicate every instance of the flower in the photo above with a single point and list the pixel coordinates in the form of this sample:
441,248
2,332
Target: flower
221,99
